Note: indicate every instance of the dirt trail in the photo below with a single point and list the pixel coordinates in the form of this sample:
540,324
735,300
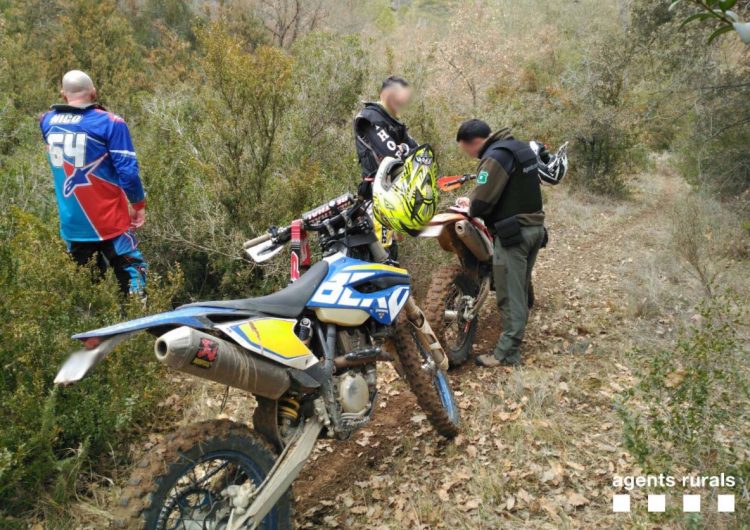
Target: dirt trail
579,280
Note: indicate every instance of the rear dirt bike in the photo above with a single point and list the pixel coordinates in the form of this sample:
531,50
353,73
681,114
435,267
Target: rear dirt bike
308,354
458,291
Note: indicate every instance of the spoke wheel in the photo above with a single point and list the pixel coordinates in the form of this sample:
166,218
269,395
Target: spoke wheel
429,384
181,484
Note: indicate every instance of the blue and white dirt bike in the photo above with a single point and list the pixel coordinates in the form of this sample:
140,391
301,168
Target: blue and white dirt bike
308,354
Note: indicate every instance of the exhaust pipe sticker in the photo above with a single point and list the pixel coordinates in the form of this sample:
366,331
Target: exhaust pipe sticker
206,354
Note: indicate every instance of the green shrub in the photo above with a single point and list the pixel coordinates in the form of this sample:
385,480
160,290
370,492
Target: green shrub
709,238
600,150
713,142
689,411
47,433
605,130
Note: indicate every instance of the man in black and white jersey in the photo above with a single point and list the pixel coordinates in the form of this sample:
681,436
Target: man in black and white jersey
379,133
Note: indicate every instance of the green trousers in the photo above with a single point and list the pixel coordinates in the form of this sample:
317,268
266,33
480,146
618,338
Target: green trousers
511,267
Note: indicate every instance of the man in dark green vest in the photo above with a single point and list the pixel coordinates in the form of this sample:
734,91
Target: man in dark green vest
508,199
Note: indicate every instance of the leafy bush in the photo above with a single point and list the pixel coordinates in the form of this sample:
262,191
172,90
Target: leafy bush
708,238
245,99
601,150
605,130
713,142
119,64
694,97
689,410
47,433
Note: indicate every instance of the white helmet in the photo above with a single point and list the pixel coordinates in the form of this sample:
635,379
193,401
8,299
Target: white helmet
552,168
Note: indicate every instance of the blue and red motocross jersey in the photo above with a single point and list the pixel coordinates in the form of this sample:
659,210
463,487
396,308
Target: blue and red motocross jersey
95,171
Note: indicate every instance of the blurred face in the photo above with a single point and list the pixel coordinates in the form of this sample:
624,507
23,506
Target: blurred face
396,98
472,147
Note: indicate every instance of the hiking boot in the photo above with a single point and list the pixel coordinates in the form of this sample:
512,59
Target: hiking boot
487,360
511,361
514,359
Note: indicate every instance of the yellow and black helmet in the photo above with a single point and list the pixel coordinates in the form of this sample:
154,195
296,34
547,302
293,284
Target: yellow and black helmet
405,193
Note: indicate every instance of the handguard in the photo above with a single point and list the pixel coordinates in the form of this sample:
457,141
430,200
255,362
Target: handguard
264,251
453,182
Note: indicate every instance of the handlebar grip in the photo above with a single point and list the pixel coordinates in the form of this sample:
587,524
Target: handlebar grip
257,241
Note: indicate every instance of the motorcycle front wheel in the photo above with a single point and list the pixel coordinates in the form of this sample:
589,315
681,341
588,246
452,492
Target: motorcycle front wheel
179,484
451,289
428,382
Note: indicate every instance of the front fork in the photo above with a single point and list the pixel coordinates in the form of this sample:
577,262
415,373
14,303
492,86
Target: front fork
249,504
414,314
425,335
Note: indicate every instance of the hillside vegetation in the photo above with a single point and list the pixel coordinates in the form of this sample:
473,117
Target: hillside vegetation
241,116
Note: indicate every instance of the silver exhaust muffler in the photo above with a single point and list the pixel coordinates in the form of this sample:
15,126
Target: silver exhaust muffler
202,355
473,240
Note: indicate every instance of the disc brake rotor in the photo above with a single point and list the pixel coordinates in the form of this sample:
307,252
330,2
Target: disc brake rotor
456,315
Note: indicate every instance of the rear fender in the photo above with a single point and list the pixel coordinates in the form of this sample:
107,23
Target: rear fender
448,240
104,340
81,362
437,225
195,317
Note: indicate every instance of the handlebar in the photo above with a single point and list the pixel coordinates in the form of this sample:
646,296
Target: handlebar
331,213
326,217
453,182
256,241
279,235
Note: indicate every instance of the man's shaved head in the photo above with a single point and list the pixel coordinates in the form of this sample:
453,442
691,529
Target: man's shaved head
78,88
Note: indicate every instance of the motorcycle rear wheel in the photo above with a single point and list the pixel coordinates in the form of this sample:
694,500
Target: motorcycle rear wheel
178,484
446,290
428,383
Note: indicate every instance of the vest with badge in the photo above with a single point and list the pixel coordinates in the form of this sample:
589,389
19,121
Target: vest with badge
523,193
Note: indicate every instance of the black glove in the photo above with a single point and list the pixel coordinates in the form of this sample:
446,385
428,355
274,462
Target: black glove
365,190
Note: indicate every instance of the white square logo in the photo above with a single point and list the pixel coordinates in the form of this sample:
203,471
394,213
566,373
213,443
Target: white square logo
621,503
725,503
657,503
691,503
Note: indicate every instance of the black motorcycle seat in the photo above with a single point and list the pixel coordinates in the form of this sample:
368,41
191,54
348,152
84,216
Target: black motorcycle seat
289,302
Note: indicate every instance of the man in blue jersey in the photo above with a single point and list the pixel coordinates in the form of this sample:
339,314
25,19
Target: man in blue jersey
100,196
